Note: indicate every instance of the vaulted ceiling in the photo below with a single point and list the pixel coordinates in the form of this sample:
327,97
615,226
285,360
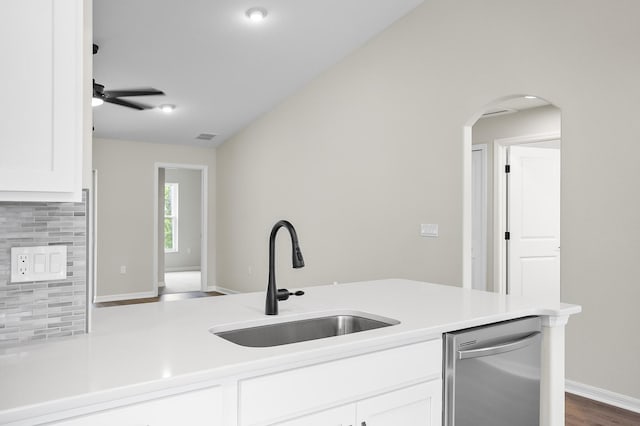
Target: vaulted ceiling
220,69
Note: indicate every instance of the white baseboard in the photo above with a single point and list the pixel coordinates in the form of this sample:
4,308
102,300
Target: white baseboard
602,395
182,269
221,290
127,296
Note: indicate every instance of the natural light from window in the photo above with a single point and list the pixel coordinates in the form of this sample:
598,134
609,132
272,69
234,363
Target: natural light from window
170,217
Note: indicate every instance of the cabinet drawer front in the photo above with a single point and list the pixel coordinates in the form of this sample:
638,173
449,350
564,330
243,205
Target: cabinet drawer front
197,408
277,396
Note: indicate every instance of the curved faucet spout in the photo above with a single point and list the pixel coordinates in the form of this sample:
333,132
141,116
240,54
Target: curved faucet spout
271,307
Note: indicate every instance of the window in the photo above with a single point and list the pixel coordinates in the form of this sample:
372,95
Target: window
170,217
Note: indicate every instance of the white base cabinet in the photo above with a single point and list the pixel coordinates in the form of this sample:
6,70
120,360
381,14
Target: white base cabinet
196,408
380,384
340,416
390,387
418,405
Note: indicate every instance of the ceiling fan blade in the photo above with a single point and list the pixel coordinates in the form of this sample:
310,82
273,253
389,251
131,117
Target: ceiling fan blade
132,92
128,104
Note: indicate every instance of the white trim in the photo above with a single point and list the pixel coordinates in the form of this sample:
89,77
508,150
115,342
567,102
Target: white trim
204,244
467,218
127,296
499,204
531,138
92,279
483,153
222,290
552,321
499,218
195,268
602,395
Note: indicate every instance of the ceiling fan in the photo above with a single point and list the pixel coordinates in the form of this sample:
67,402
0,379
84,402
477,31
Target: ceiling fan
113,96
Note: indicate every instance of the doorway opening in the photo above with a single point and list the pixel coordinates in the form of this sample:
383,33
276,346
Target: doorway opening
180,258
512,198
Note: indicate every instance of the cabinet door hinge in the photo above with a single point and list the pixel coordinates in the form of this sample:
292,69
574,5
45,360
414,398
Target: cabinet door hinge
507,168
507,235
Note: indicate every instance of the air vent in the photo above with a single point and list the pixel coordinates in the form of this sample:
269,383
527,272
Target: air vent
500,111
205,136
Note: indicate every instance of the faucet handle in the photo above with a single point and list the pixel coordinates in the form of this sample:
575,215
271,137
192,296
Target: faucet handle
283,293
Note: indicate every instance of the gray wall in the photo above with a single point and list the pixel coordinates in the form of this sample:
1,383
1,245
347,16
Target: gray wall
126,210
542,120
34,311
373,147
187,258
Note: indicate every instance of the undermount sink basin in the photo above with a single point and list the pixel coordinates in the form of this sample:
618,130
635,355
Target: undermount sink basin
283,333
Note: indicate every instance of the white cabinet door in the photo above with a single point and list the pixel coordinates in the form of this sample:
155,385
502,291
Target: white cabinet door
41,81
197,408
334,383
419,405
340,416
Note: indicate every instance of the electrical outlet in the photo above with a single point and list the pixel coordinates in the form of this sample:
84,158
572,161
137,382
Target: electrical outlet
42,263
23,264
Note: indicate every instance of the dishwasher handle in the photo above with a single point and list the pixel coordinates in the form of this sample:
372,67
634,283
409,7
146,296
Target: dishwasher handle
499,349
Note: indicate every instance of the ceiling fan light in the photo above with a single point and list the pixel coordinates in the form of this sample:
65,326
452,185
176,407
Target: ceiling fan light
256,14
167,108
96,102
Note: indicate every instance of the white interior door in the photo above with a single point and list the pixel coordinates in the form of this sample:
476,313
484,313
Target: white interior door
479,218
534,222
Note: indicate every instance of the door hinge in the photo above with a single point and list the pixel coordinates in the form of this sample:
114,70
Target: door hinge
507,235
507,168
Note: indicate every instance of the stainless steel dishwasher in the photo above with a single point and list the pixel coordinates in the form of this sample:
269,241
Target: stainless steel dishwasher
492,375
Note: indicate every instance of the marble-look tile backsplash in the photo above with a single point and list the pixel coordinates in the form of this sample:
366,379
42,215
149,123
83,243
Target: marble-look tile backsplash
35,311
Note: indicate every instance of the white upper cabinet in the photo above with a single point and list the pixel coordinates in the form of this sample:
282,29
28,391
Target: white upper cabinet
41,108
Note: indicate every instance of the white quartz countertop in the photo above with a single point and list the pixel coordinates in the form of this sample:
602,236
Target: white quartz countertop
149,347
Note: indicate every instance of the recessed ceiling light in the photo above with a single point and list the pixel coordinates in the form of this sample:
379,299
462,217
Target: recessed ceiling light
530,97
167,108
96,102
256,14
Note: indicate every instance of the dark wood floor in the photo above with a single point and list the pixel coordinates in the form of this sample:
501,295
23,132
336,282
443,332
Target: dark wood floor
161,298
587,412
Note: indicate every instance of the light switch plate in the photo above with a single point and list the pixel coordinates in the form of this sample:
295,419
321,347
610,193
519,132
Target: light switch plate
429,229
43,263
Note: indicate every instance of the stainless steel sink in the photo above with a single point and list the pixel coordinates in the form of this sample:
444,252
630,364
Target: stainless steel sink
283,333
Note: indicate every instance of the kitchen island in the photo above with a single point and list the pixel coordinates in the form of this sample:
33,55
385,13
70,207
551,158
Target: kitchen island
156,359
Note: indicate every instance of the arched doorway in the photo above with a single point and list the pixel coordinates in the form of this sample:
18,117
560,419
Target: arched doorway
511,206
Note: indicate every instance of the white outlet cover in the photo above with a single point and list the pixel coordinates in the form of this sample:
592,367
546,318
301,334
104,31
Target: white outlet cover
42,263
